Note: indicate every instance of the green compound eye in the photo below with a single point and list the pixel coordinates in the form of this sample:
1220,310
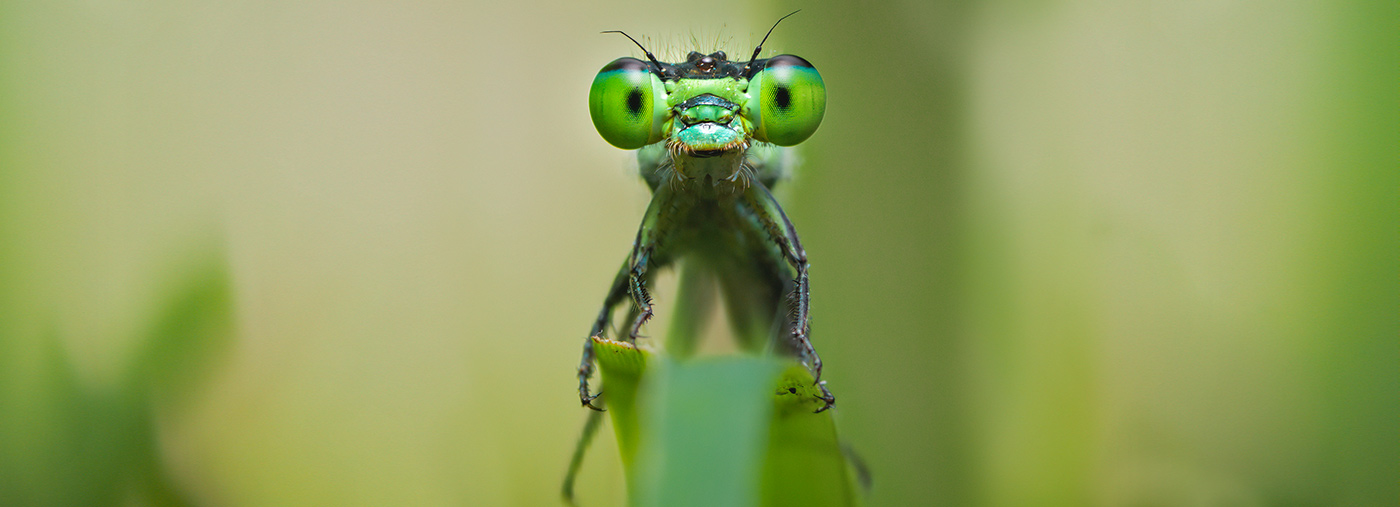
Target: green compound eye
786,101
628,104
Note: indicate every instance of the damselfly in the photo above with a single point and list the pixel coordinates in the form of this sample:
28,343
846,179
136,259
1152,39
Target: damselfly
711,135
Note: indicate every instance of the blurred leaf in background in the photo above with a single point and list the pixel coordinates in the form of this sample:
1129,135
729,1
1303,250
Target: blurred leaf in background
67,444
1135,253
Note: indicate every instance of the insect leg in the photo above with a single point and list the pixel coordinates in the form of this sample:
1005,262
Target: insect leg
585,367
637,288
781,232
659,221
590,428
630,280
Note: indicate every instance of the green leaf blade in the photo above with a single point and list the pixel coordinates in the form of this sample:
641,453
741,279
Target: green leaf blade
707,432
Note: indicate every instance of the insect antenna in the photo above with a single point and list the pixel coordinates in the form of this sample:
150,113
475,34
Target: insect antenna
644,49
758,49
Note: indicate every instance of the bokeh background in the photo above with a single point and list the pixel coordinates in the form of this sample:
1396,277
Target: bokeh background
1065,252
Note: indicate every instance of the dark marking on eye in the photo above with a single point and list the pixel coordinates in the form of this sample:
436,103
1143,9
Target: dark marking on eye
634,102
782,97
627,64
788,61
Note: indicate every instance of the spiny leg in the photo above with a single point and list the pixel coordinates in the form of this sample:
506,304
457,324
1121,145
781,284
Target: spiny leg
630,280
781,232
801,329
657,225
638,290
801,324
585,367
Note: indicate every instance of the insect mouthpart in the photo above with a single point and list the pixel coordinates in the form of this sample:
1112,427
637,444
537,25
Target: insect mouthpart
707,124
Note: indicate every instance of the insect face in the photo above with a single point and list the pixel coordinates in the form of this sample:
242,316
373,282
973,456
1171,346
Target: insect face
707,103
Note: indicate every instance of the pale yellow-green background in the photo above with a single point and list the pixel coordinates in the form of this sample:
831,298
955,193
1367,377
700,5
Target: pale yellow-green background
1065,252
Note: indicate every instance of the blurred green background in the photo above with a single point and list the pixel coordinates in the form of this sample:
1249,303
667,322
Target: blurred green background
1066,252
